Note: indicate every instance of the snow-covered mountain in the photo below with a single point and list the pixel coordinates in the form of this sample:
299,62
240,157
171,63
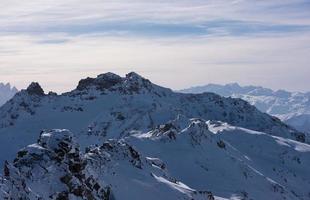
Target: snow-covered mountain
133,139
291,107
6,92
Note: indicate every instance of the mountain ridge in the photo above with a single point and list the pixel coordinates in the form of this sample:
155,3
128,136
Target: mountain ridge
291,107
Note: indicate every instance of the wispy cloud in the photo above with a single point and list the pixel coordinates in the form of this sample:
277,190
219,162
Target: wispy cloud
256,42
78,16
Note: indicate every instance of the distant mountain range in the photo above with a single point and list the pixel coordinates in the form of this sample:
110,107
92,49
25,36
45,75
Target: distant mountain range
291,107
115,138
6,92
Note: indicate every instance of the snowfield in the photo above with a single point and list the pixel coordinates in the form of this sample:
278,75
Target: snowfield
126,138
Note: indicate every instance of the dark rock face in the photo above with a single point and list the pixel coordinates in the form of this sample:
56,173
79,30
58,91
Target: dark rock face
103,81
84,83
221,144
35,89
114,148
132,83
52,93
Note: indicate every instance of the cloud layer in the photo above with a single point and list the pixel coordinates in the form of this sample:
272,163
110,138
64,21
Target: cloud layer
176,43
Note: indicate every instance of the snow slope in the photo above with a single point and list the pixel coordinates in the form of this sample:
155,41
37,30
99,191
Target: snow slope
6,92
291,107
177,160
232,162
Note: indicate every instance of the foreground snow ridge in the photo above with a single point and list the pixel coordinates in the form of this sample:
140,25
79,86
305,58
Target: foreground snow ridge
203,160
55,168
132,139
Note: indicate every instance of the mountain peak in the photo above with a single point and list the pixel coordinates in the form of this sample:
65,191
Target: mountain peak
35,89
103,81
134,75
8,87
131,83
109,76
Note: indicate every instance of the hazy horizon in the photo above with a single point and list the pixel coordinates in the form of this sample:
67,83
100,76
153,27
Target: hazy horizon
167,86
176,44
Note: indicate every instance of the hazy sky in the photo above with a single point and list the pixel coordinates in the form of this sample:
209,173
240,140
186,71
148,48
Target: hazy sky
175,43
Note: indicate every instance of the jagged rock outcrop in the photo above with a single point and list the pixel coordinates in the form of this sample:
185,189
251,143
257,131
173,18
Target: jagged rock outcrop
54,168
35,89
102,82
132,83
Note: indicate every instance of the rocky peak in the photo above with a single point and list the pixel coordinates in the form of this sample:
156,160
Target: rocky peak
134,76
103,81
131,83
136,83
109,76
35,89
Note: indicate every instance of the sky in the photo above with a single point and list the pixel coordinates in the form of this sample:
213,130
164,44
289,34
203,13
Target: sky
174,43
